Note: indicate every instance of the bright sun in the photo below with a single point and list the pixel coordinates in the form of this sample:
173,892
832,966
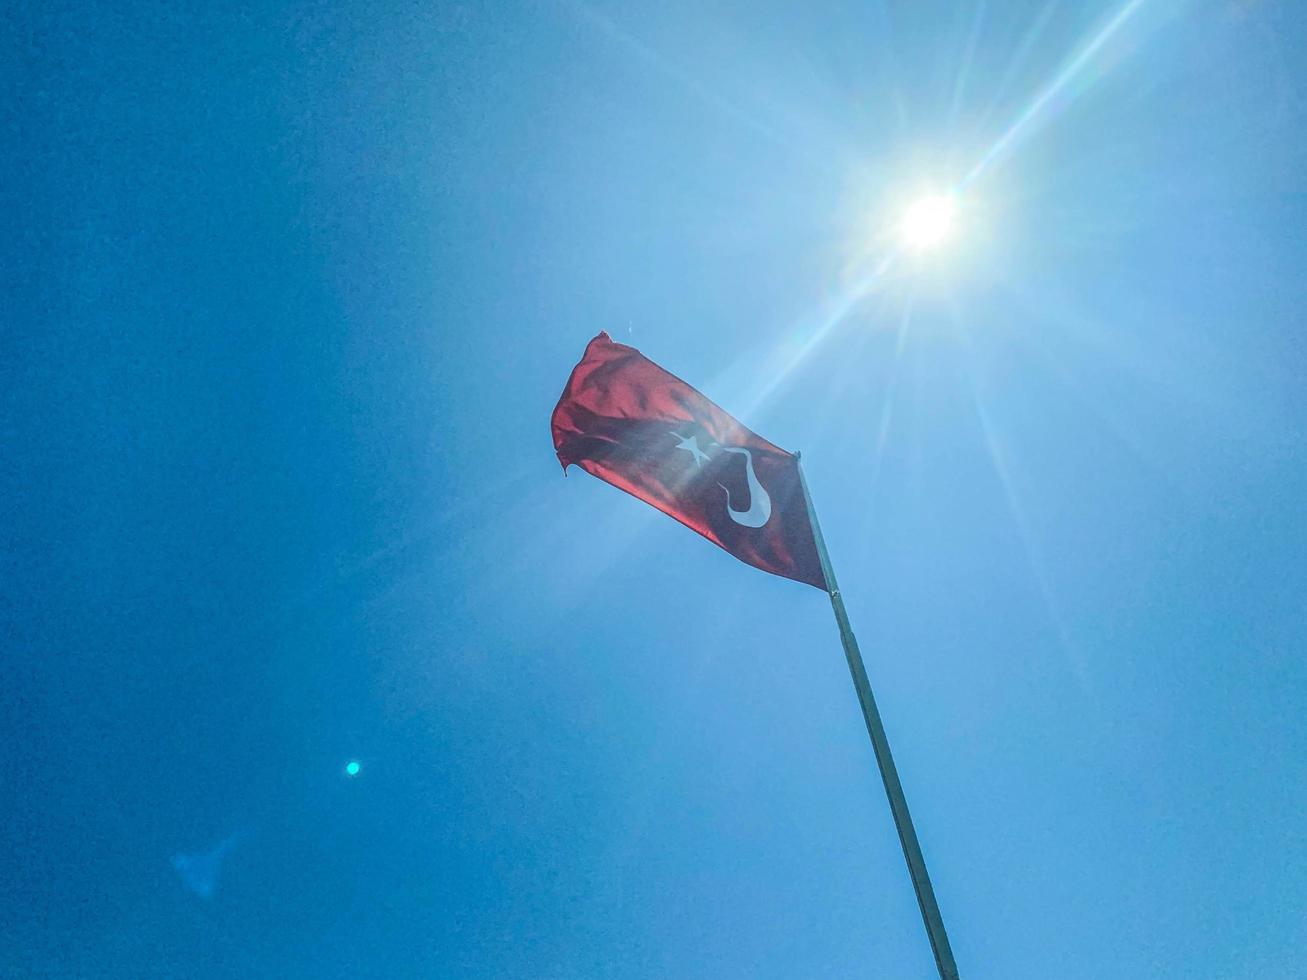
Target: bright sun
929,221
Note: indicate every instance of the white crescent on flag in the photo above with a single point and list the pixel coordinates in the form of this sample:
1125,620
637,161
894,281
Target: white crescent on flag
759,512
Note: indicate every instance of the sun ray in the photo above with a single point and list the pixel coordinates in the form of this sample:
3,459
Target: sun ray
1017,62
840,308
1033,552
891,389
1043,102
649,56
964,70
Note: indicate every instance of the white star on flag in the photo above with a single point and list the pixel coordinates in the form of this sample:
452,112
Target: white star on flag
691,445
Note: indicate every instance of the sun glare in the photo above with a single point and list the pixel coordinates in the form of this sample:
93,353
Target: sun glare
929,221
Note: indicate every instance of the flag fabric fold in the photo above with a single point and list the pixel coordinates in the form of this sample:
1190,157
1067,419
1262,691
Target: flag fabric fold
627,421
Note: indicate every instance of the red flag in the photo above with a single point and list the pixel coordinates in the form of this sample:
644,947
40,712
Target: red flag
625,420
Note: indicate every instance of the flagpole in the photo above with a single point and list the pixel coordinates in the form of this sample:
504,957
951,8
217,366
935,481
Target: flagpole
898,804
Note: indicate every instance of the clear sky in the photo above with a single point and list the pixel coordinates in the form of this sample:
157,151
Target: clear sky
289,295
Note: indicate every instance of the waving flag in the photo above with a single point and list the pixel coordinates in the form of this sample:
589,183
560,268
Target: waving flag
625,420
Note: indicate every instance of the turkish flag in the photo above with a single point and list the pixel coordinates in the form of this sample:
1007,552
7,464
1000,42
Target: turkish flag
625,420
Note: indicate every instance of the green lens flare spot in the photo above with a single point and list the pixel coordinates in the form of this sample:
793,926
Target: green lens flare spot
352,768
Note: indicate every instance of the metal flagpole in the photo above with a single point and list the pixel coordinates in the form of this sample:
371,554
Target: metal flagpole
898,804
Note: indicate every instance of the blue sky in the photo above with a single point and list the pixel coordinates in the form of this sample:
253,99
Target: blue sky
290,294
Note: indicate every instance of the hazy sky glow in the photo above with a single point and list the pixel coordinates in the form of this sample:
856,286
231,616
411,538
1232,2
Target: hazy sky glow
290,294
